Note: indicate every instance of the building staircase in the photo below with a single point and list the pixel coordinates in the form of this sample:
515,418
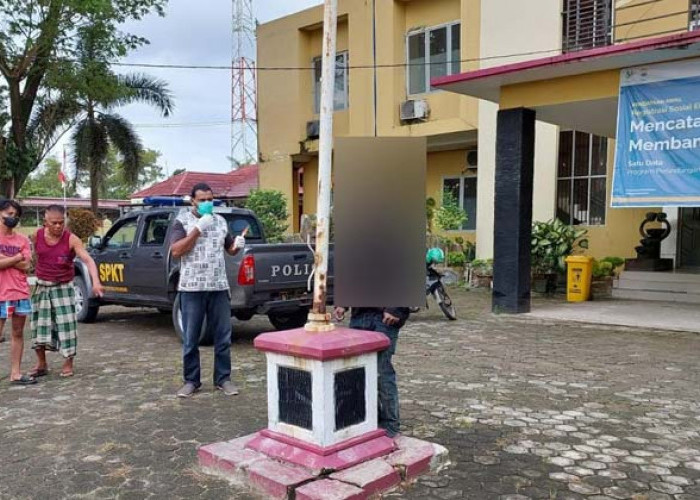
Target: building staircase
672,286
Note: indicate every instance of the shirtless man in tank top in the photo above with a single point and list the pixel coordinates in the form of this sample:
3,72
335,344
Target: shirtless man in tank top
54,326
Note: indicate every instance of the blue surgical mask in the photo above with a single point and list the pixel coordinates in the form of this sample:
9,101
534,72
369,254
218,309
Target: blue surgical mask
205,208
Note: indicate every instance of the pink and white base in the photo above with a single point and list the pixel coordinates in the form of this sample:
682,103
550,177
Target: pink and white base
236,462
321,462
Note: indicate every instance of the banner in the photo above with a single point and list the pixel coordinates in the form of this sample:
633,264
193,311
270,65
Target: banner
657,157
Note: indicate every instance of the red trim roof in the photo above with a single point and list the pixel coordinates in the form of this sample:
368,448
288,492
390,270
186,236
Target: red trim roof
618,56
42,202
235,184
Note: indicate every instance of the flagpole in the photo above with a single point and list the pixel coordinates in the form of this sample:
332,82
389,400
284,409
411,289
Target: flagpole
63,177
319,318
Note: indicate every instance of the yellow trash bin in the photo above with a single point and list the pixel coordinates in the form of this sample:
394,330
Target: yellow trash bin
579,270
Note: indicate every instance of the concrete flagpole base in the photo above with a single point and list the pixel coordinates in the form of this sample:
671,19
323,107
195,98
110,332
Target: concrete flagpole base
322,439
276,478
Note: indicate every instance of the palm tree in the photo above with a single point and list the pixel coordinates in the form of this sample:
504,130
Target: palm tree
89,109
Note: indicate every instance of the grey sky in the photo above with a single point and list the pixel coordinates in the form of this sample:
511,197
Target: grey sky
194,32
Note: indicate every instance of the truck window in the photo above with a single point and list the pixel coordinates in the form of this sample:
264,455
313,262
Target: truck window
155,230
123,235
237,223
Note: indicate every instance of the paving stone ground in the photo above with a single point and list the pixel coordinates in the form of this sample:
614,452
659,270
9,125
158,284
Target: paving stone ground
528,408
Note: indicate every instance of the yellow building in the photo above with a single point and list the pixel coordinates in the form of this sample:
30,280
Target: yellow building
390,100
388,52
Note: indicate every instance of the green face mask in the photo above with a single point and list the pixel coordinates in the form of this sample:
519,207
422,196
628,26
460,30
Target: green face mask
205,208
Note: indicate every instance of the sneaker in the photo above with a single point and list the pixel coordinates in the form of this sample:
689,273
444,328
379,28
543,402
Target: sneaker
228,388
187,390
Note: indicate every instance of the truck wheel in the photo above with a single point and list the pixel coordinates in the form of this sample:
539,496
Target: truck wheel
85,312
288,321
205,338
243,315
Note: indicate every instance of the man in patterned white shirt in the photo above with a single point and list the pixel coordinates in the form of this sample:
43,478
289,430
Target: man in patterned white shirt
200,239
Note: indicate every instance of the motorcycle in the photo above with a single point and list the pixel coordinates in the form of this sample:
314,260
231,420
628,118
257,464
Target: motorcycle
435,287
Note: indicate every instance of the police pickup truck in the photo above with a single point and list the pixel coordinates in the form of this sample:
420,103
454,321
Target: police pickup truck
136,268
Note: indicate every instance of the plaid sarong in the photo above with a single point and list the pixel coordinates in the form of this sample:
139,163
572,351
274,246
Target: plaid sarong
54,325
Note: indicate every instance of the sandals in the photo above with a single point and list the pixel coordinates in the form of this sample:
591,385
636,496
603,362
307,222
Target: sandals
38,372
24,380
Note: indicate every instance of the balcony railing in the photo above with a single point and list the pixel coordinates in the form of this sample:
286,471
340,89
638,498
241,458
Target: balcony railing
587,24
594,23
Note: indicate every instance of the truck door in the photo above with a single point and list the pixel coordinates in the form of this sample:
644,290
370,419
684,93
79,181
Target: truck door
114,257
150,262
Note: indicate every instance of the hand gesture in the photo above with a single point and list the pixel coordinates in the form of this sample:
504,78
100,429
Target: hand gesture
389,319
238,242
98,290
204,222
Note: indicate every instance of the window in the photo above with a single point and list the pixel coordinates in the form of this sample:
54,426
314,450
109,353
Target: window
340,95
464,190
432,52
123,235
694,15
581,178
587,24
236,225
156,229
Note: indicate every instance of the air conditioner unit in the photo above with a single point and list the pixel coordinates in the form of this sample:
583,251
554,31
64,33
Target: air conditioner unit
313,129
417,109
472,158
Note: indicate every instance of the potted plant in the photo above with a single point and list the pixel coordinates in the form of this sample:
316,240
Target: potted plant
481,273
552,242
604,272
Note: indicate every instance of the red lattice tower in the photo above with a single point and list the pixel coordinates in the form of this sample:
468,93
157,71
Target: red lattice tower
244,123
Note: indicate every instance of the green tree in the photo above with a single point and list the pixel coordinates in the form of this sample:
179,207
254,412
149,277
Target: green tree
44,182
117,184
449,216
90,104
179,171
38,45
271,208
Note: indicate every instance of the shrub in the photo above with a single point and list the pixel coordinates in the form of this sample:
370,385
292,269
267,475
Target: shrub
552,242
469,251
456,259
483,267
271,208
430,213
82,223
615,261
602,269
449,216
607,267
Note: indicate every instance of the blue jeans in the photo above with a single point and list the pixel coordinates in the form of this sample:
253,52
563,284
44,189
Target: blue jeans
215,306
388,391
